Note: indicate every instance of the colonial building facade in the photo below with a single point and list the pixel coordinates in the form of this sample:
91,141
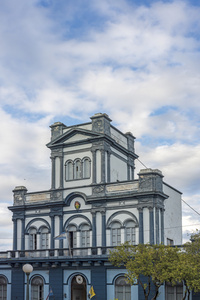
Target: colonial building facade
95,203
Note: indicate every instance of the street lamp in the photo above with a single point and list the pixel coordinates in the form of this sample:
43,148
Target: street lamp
27,269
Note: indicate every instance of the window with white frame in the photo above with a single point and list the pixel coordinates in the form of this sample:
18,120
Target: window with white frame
85,235
130,232
69,170
37,288
173,292
3,288
77,169
122,289
32,239
115,234
44,238
86,167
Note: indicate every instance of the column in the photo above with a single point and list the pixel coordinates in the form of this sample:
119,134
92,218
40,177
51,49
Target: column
14,234
39,241
52,231
132,172
162,225
157,226
94,179
53,172
128,171
103,220
78,237
141,229
108,166
151,225
61,230
23,235
61,171
94,240
102,166
122,235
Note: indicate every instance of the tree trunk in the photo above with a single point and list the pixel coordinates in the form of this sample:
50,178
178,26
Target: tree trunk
188,294
185,294
146,293
156,293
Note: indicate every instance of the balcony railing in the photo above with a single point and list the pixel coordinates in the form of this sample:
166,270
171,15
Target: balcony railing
52,253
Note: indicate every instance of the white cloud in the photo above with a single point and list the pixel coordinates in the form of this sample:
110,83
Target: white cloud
127,60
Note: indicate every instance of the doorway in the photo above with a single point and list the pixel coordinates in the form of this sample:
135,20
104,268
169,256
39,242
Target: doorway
78,288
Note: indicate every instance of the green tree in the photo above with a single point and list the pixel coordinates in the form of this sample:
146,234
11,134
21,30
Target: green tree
189,266
158,263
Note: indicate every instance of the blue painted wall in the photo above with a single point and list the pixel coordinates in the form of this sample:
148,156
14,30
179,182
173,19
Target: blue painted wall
56,282
98,277
17,287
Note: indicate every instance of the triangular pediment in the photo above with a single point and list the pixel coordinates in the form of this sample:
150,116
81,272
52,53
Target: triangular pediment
73,136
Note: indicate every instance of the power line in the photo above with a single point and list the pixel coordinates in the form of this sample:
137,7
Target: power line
142,163
191,207
181,199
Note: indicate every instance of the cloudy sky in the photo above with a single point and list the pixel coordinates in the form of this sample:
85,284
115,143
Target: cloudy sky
64,60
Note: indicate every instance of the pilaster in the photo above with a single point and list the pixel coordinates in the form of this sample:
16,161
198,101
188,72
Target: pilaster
53,175
102,165
151,225
94,179
14,234
141,226
157,226
94,241
52,230
61,171
108,166
162,225
103,220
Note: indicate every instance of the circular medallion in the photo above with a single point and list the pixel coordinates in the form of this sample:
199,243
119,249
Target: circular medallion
79,279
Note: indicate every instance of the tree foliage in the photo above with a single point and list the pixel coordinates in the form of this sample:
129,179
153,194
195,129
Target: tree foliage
155,262
160,264
189,268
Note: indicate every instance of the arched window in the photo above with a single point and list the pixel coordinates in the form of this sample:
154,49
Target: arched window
44,238
122,289
77,169
85,235
86,167
69,170
32,239
130,232
115,234
3,288
37,288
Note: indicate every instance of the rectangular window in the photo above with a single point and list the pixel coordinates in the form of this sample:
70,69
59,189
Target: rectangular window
173,292
3,292
116,237
45,240
130,235
170,242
